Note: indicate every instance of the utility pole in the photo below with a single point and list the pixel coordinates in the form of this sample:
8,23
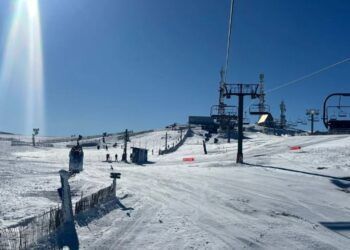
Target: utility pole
313,117
166,140
126,140
35,133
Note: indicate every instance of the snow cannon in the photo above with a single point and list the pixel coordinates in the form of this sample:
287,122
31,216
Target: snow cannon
295,148
76,158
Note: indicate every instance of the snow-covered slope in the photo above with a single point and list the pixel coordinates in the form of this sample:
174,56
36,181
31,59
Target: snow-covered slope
280,199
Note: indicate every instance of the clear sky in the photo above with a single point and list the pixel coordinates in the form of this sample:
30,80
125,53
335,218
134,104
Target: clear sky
116,64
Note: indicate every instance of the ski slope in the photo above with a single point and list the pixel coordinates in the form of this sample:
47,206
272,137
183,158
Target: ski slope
280,199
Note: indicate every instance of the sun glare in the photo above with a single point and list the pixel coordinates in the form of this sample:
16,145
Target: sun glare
33,8
21,73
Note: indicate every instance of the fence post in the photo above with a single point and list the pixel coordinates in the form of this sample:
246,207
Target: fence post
67,235
205,147
115,176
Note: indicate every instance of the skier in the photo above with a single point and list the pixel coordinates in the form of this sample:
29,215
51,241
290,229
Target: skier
116,157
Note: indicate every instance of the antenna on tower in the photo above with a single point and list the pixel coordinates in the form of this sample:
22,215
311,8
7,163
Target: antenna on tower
261,93
283,121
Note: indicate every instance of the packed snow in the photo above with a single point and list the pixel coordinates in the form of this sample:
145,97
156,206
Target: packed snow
279,199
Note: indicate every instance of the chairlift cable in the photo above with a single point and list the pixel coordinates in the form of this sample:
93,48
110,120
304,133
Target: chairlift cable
308,75
229,33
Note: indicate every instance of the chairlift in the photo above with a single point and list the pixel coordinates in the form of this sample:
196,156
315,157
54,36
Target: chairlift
223,112
339,121
259,109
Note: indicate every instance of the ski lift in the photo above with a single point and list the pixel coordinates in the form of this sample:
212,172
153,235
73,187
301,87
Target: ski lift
224,111
259,109
339,121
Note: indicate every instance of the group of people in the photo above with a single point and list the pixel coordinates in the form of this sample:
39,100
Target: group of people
108,157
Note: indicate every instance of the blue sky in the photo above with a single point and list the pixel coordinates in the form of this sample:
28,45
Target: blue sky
116,64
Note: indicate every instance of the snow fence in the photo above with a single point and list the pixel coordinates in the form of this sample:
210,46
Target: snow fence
32,232
41,230
189,133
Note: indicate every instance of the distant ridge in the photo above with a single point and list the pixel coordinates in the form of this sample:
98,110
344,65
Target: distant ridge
5,133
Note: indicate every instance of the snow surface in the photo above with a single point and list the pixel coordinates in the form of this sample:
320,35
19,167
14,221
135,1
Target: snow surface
280,199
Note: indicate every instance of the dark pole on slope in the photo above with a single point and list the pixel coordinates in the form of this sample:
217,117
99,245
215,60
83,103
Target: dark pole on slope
240,130
126,138
205,148
166,140
228,132
312,123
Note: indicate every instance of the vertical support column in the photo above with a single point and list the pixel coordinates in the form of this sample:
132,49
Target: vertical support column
115,186
228,132
166,140
115,176
312,123
239,158
67,235
66,197
205,148
125,153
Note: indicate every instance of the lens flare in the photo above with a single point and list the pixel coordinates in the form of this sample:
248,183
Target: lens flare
22,78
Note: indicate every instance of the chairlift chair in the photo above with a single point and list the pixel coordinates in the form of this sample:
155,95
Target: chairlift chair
226,111
339,121
257,109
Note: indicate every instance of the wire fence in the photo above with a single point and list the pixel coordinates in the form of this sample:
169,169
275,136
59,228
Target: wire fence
32,232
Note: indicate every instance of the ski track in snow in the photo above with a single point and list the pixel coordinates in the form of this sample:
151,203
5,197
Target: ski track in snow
211,203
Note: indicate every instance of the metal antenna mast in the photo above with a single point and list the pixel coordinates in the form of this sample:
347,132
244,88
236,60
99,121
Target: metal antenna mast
261,93
283,110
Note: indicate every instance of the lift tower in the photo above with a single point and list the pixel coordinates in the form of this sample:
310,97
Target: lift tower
313,117
241,90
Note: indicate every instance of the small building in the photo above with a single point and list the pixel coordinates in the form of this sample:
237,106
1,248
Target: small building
266,120
139,155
